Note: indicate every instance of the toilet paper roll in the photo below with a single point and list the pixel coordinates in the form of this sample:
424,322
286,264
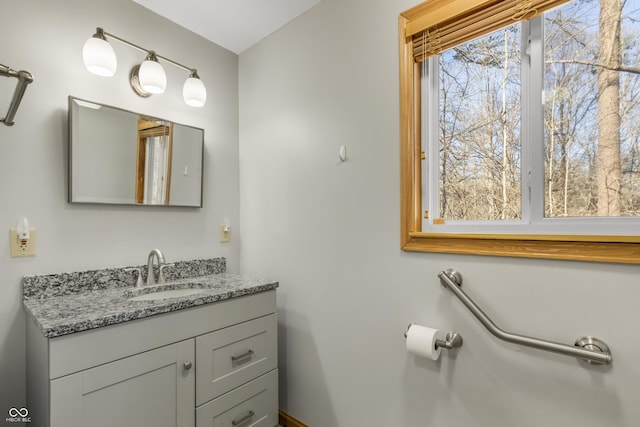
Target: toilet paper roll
421,341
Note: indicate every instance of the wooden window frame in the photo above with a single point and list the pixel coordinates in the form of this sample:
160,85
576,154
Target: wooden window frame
615,249
149,127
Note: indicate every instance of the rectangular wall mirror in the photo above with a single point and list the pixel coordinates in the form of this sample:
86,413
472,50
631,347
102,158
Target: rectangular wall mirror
125,158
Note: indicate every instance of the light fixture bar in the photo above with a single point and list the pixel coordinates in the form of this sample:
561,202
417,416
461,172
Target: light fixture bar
145,79
141,49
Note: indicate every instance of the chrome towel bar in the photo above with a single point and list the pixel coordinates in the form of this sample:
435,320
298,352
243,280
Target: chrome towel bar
24,78
590,349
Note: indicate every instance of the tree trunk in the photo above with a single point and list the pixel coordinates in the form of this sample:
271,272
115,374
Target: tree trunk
609,171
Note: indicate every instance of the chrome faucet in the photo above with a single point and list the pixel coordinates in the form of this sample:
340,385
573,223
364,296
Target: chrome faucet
155,253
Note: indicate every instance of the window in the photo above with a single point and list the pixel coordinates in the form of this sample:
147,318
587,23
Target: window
509,177
473,133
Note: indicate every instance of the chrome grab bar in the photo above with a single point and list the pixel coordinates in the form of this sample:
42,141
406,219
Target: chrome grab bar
590,349
24,78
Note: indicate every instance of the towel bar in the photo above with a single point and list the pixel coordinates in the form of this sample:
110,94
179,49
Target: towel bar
24,78
590,349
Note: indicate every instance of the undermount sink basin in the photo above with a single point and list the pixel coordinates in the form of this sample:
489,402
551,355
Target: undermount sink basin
163,292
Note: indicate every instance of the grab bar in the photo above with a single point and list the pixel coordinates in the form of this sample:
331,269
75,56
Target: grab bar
590,349
24,78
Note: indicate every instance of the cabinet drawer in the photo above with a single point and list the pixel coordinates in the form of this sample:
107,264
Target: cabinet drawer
233,356
254,404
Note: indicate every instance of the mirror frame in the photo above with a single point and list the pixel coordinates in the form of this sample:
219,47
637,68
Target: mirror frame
70,158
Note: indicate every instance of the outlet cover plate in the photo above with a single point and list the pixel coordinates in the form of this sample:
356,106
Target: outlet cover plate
225,236
18,249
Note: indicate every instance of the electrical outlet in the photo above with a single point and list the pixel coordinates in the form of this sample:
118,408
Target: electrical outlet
225,236
19,249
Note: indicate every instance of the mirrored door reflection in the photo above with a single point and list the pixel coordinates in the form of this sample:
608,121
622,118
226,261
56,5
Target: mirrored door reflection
153,164
121,157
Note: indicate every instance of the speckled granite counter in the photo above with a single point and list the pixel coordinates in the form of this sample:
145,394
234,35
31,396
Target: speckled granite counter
65,303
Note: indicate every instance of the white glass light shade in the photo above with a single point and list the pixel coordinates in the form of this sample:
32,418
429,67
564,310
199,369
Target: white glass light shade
152,77
194,92
99,57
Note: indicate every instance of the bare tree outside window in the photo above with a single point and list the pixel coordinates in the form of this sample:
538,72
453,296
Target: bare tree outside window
590,129
592,114
480,128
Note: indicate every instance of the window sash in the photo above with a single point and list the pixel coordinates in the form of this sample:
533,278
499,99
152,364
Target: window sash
431,144
532,156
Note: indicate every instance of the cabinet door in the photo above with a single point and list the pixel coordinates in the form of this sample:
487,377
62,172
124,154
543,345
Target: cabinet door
154,389
254,404
234,356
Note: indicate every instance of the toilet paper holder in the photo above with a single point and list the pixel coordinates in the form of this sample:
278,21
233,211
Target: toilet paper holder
452,339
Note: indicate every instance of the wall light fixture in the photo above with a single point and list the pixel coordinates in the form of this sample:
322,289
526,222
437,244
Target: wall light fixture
147,78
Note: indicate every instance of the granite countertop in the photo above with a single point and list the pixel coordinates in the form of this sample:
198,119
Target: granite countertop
65,303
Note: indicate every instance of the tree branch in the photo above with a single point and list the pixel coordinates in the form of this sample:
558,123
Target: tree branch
625,68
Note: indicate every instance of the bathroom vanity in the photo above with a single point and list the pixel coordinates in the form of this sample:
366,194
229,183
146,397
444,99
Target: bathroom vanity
97,356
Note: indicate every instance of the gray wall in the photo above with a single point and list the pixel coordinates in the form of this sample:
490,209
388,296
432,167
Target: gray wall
46,37
186,154
330,233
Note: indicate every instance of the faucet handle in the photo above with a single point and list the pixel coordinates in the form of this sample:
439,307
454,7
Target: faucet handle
139,282
161,274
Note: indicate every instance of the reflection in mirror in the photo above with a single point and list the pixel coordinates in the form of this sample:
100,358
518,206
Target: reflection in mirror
120,157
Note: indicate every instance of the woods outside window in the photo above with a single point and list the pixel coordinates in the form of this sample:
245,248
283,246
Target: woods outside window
521,139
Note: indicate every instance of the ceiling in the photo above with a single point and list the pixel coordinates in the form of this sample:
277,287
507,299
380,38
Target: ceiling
233,24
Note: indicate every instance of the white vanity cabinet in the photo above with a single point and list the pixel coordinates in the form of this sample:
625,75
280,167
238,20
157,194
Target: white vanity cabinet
211,365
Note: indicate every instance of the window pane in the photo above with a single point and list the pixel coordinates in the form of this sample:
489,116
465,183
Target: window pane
592,110
479,136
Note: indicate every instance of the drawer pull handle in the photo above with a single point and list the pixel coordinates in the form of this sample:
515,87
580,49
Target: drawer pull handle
187,365
242,420
244,355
